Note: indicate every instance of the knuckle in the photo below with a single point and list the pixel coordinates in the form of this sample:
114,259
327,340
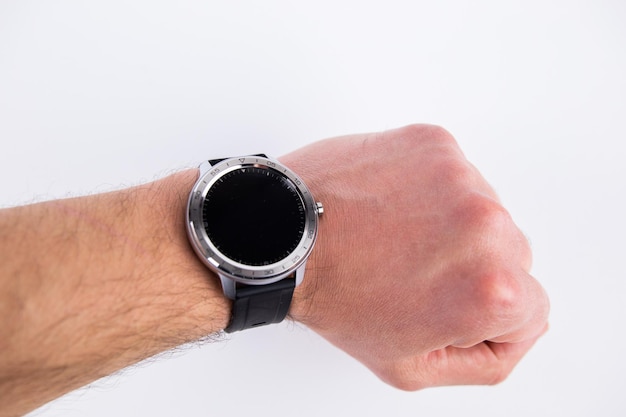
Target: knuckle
454,172
489,230
426,131
498,247
488,214
439,133
499,296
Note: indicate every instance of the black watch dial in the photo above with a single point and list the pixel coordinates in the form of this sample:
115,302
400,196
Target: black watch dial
254,216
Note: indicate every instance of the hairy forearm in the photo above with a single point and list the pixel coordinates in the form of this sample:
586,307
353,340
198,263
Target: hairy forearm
93,284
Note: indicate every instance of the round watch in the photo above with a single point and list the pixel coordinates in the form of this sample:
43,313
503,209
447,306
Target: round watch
254,222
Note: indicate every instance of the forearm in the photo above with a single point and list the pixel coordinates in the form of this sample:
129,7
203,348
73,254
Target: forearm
93,284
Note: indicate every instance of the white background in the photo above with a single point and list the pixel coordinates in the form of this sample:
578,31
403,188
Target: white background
100,95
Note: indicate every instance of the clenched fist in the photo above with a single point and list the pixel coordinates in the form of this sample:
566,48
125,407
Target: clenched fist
419,272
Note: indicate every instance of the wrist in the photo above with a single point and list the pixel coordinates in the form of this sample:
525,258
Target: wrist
196,289
311,296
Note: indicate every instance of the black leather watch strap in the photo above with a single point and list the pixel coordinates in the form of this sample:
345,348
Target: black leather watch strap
258,305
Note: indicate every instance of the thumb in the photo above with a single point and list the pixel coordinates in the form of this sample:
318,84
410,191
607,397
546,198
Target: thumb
486,363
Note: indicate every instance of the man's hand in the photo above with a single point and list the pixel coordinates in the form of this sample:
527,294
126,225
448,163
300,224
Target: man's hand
419,272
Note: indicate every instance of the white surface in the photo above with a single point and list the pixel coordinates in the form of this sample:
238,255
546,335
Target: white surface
98,95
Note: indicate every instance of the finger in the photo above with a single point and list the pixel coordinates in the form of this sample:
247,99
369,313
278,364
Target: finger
487,363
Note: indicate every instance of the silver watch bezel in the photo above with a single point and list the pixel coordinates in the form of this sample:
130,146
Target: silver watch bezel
221,264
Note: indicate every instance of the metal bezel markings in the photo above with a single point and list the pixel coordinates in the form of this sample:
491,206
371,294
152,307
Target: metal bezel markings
221,264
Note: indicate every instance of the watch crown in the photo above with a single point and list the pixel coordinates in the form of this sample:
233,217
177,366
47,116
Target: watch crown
320,208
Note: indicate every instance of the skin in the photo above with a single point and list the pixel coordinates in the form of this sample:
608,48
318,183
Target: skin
418,272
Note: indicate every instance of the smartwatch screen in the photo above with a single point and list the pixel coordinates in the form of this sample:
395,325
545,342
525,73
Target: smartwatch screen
254,216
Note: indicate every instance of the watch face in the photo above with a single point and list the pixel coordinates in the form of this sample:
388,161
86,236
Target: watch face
254,216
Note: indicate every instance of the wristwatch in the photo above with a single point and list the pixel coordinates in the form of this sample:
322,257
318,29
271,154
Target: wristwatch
254,222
